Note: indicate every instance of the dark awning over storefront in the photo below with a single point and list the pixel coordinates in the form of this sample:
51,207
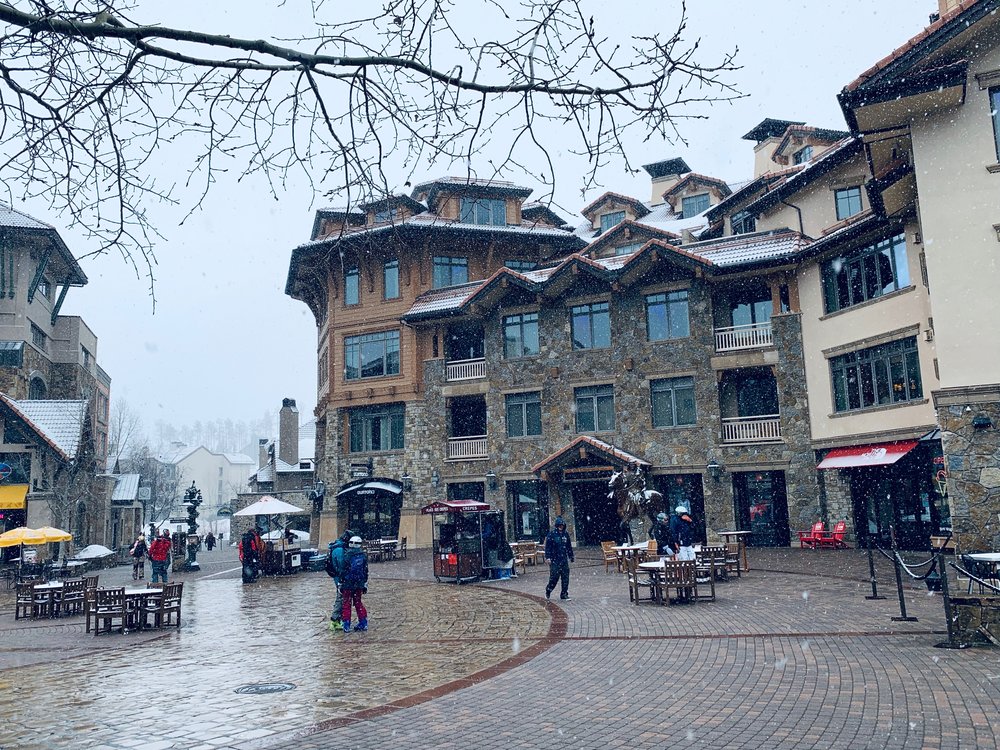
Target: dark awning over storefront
455,506
873,454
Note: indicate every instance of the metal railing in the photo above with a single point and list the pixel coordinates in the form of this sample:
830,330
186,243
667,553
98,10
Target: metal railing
763,429
467,447
750,336
465,369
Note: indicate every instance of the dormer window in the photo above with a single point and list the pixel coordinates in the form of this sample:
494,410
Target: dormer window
848,201
744,223
612,219
387,214
693,205
488,211
628,249
802,155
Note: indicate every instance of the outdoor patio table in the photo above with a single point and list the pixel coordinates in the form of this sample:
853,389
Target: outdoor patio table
135,600
740,538
52,589
993,558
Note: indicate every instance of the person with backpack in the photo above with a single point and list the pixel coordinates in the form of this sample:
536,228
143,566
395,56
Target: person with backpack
159,554
335,569
251,549
138,553
354,583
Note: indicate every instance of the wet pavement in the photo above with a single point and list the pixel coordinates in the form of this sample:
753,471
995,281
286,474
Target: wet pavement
790,655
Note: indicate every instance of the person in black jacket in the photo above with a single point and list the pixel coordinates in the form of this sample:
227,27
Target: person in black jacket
559,553
138,554
663,536
682,527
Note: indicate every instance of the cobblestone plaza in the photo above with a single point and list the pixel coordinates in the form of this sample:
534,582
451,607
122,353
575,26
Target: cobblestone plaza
790,655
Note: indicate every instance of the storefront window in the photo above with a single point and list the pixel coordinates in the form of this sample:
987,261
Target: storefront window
529,508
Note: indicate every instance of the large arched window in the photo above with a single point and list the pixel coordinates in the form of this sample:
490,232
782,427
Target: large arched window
36,388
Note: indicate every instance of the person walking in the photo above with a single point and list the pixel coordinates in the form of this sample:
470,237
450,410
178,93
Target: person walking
138,553
682,528
663,536
559,553
210,541
159,554
354,583
335,569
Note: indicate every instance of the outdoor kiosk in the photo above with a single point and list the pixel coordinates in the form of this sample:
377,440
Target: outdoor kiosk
458,538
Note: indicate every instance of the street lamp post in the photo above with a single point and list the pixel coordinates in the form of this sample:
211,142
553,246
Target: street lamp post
192,499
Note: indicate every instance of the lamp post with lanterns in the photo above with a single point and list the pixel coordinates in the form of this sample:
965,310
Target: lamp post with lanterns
192,499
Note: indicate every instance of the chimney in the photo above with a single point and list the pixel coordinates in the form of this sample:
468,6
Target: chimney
261,453
947,6
288,432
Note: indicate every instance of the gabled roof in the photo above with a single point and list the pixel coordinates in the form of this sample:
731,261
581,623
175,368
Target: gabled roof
766,181
698,179
822,164
126,487
907,57
638,206
63,266
392,201
644,231
769,128
666,168
806,131
345,216
587,445
539,212
428,191
59,424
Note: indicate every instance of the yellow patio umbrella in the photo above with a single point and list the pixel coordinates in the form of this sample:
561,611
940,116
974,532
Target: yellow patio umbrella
54,535
22,535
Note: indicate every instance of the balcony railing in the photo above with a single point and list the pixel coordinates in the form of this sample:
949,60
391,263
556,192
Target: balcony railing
465,369
735,338
460,448
763,429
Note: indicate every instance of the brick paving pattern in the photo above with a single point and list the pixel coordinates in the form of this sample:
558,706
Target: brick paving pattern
790,656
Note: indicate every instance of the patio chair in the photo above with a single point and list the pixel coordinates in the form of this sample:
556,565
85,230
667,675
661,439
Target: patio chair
650,554
529,551
983,570
715,554
72,596
24,601
733,559
705,571
165,607
682,577
90,582
610,556
373,549
109,606
811,538
89,600
518,559
835,539
401,551
638,580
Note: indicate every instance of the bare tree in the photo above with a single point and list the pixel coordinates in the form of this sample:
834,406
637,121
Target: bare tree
92,90
125,428
164,481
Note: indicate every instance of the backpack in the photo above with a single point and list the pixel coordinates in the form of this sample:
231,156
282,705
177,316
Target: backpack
331,570
355,573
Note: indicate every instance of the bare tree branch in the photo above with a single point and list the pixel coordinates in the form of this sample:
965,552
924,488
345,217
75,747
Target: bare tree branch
94,99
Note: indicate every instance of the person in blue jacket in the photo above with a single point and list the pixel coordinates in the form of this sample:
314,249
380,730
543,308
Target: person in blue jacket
559,553
682,528
335,569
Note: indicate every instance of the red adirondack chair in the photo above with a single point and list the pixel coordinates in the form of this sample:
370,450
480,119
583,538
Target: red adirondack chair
835,539
812,537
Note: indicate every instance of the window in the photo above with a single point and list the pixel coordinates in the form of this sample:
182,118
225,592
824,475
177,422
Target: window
36,389
848,201
490,211
390,279
38,338
612,219
672,401
802,155
324,367
743,223
667,316
377,428
11,353
521,265
591,326
450,271
884,374
628,249
995,114
524,414
387,214
866,273
693,205
44,288
520,335
595,408
86,357
352,286
372,355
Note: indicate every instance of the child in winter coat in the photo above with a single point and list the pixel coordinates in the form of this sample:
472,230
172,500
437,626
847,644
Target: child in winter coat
138,554
354,583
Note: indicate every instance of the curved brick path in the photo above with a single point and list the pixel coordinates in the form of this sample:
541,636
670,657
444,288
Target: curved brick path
782,659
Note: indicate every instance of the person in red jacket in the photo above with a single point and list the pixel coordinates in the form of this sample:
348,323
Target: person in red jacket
159,554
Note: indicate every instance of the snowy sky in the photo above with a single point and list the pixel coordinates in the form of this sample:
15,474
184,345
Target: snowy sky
225,342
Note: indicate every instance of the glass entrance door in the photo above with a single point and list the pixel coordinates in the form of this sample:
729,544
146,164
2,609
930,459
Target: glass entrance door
762,507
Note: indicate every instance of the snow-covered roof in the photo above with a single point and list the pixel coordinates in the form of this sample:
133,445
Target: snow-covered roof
660,217
238,458
61,421
447,298
126,488
11,218
264,474
744,249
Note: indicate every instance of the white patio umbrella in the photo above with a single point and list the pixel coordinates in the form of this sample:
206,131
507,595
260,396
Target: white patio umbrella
268,506
93,551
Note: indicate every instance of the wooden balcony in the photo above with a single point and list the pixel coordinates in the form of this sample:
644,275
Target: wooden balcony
736,338
464,448
745,430
465,369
